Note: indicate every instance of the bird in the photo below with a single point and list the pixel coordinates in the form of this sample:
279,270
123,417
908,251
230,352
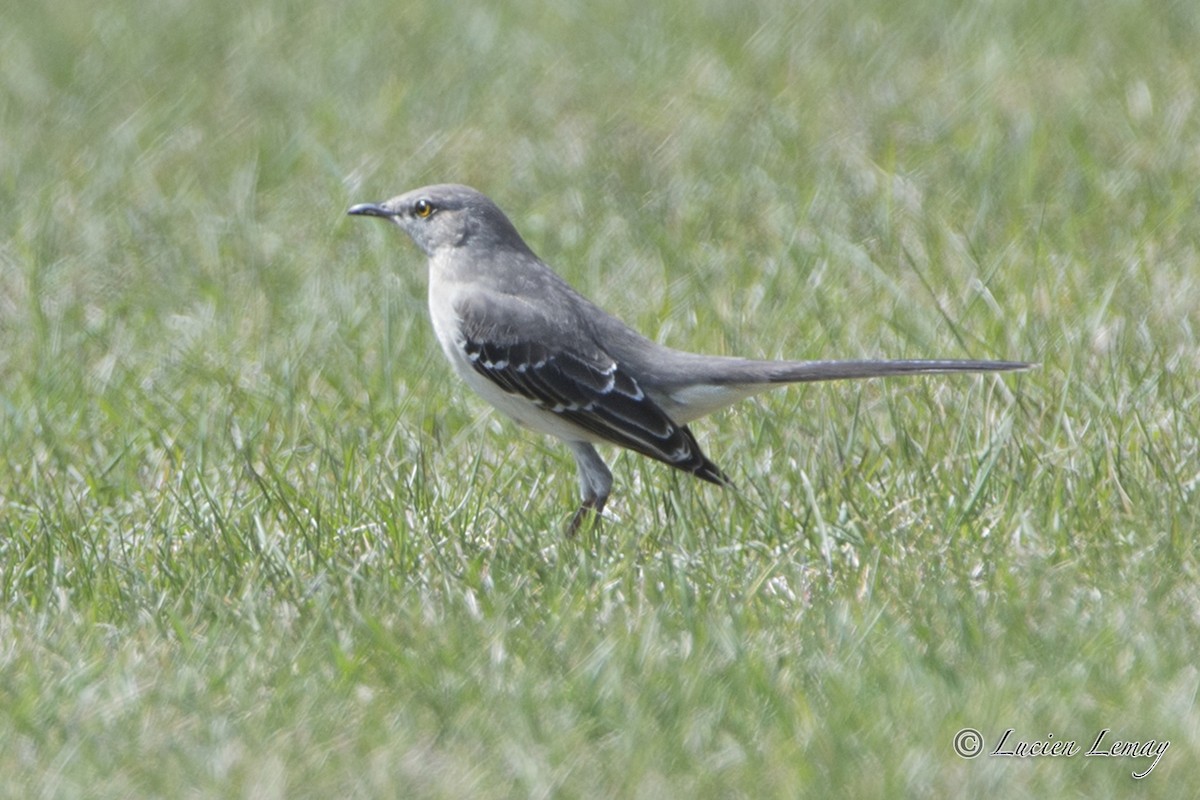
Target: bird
547,357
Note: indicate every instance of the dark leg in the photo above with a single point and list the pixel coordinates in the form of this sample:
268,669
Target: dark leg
595,484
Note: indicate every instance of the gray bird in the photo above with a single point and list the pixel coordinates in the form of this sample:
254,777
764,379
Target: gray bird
552,360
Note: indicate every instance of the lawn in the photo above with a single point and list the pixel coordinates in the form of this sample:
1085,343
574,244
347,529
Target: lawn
256,540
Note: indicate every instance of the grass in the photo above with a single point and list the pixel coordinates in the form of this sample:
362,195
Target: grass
256,541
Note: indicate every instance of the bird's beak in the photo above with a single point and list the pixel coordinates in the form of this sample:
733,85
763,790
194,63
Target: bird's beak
370,210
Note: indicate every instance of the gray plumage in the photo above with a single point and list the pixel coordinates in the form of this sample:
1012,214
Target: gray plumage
548,357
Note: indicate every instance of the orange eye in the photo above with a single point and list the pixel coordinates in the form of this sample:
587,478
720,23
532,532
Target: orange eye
423,208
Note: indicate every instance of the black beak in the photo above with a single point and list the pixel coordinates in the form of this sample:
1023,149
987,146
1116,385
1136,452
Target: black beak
370,210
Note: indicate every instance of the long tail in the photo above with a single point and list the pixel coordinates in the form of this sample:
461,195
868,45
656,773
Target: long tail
807,371
699,385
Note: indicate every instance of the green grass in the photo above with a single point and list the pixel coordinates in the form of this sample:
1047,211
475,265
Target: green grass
256,541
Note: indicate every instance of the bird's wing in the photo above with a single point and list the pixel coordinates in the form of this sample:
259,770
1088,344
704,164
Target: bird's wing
544,359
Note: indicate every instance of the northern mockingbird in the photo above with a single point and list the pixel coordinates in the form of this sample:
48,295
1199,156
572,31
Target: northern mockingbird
549,358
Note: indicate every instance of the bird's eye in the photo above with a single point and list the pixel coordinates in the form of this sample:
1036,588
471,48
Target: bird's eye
423,208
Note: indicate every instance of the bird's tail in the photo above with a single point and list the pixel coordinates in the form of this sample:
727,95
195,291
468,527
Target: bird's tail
704,384
808,371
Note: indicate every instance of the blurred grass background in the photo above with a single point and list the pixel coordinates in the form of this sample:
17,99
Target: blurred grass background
256,541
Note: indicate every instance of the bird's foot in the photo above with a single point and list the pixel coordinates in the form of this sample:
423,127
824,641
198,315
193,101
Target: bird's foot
591,505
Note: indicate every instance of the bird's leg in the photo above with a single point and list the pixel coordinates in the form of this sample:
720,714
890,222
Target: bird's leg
595,484
594,505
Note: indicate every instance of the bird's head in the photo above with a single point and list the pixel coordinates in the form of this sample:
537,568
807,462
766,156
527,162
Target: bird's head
446,216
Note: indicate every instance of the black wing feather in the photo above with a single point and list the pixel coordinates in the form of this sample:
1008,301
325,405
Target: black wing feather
593,392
